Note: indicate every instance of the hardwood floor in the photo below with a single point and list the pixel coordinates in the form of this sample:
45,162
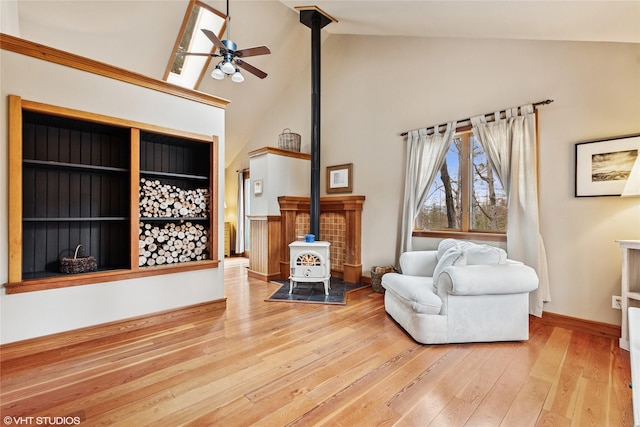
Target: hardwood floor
275,364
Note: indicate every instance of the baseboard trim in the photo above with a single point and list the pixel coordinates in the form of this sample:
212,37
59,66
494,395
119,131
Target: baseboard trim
592,327
60,340
265,277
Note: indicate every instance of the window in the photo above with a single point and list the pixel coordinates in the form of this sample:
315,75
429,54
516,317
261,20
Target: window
187,70
467,195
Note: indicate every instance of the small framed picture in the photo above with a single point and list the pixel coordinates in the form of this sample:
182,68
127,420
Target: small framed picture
603,167
340,178
257,186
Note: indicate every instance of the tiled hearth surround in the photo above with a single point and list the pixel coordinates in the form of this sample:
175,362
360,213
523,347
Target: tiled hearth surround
340,225
332,229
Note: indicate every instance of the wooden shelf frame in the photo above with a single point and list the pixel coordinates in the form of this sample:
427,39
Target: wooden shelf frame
173,175
72,166
76,219
173,218
16,284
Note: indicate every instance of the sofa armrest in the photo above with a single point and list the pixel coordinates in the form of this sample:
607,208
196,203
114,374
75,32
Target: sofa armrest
487,279
418,263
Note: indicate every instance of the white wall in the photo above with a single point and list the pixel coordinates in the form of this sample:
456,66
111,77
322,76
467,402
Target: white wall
33,314
370,96
280,176
9,23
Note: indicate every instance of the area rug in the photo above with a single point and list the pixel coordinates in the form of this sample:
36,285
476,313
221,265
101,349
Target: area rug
314,292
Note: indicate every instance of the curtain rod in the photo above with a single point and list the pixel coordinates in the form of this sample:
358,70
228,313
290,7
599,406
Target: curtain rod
535,104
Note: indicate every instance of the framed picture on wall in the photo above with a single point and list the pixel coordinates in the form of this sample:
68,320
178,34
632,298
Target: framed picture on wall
603,167
340,178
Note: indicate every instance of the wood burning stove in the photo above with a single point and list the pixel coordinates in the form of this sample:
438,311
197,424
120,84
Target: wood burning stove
309,262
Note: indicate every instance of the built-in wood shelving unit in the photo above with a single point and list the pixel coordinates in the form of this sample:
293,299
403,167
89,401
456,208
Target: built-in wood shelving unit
75,179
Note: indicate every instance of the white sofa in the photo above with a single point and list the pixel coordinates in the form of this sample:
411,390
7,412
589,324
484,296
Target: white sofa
634,351
463,292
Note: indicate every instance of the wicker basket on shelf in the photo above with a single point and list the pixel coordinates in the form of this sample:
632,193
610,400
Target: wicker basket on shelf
78,264
376,277
288,140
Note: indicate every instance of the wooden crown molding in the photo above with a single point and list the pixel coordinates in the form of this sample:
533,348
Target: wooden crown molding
279,152
46,53
327,204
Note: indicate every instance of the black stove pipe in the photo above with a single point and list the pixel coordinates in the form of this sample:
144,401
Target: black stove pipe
314,19
315,127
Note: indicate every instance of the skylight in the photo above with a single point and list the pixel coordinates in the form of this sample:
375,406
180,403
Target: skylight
187,70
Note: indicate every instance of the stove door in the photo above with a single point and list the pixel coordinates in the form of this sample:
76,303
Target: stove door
308,264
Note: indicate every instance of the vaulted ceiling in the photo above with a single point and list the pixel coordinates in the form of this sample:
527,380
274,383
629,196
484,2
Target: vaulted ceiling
139,35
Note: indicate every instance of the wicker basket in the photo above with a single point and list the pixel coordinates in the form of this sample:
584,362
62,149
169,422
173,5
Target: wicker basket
288,140
376,277
78,264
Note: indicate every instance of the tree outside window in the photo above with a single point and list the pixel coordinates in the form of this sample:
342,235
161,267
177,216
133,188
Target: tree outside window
467,195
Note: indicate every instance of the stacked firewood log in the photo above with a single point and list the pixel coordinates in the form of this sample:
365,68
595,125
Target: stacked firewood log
168,201
172,243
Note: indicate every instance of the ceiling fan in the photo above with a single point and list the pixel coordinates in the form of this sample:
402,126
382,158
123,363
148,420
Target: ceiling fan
231,56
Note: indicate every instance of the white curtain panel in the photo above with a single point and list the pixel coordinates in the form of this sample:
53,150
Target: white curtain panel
510,144
425,155
240,215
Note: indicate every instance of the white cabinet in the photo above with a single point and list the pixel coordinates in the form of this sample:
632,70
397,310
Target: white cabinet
274,173
630,284
634,335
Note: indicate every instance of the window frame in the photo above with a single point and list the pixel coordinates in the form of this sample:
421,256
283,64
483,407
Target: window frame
192,4
464,232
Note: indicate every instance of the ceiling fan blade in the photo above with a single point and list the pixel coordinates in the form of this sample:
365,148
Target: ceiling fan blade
252,51
250,68
214,39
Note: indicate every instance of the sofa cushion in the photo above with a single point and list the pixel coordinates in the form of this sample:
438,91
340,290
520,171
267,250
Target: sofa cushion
418,263
415,291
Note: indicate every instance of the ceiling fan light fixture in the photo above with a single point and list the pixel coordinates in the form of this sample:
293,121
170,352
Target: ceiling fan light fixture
228,67
217,73
237,76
